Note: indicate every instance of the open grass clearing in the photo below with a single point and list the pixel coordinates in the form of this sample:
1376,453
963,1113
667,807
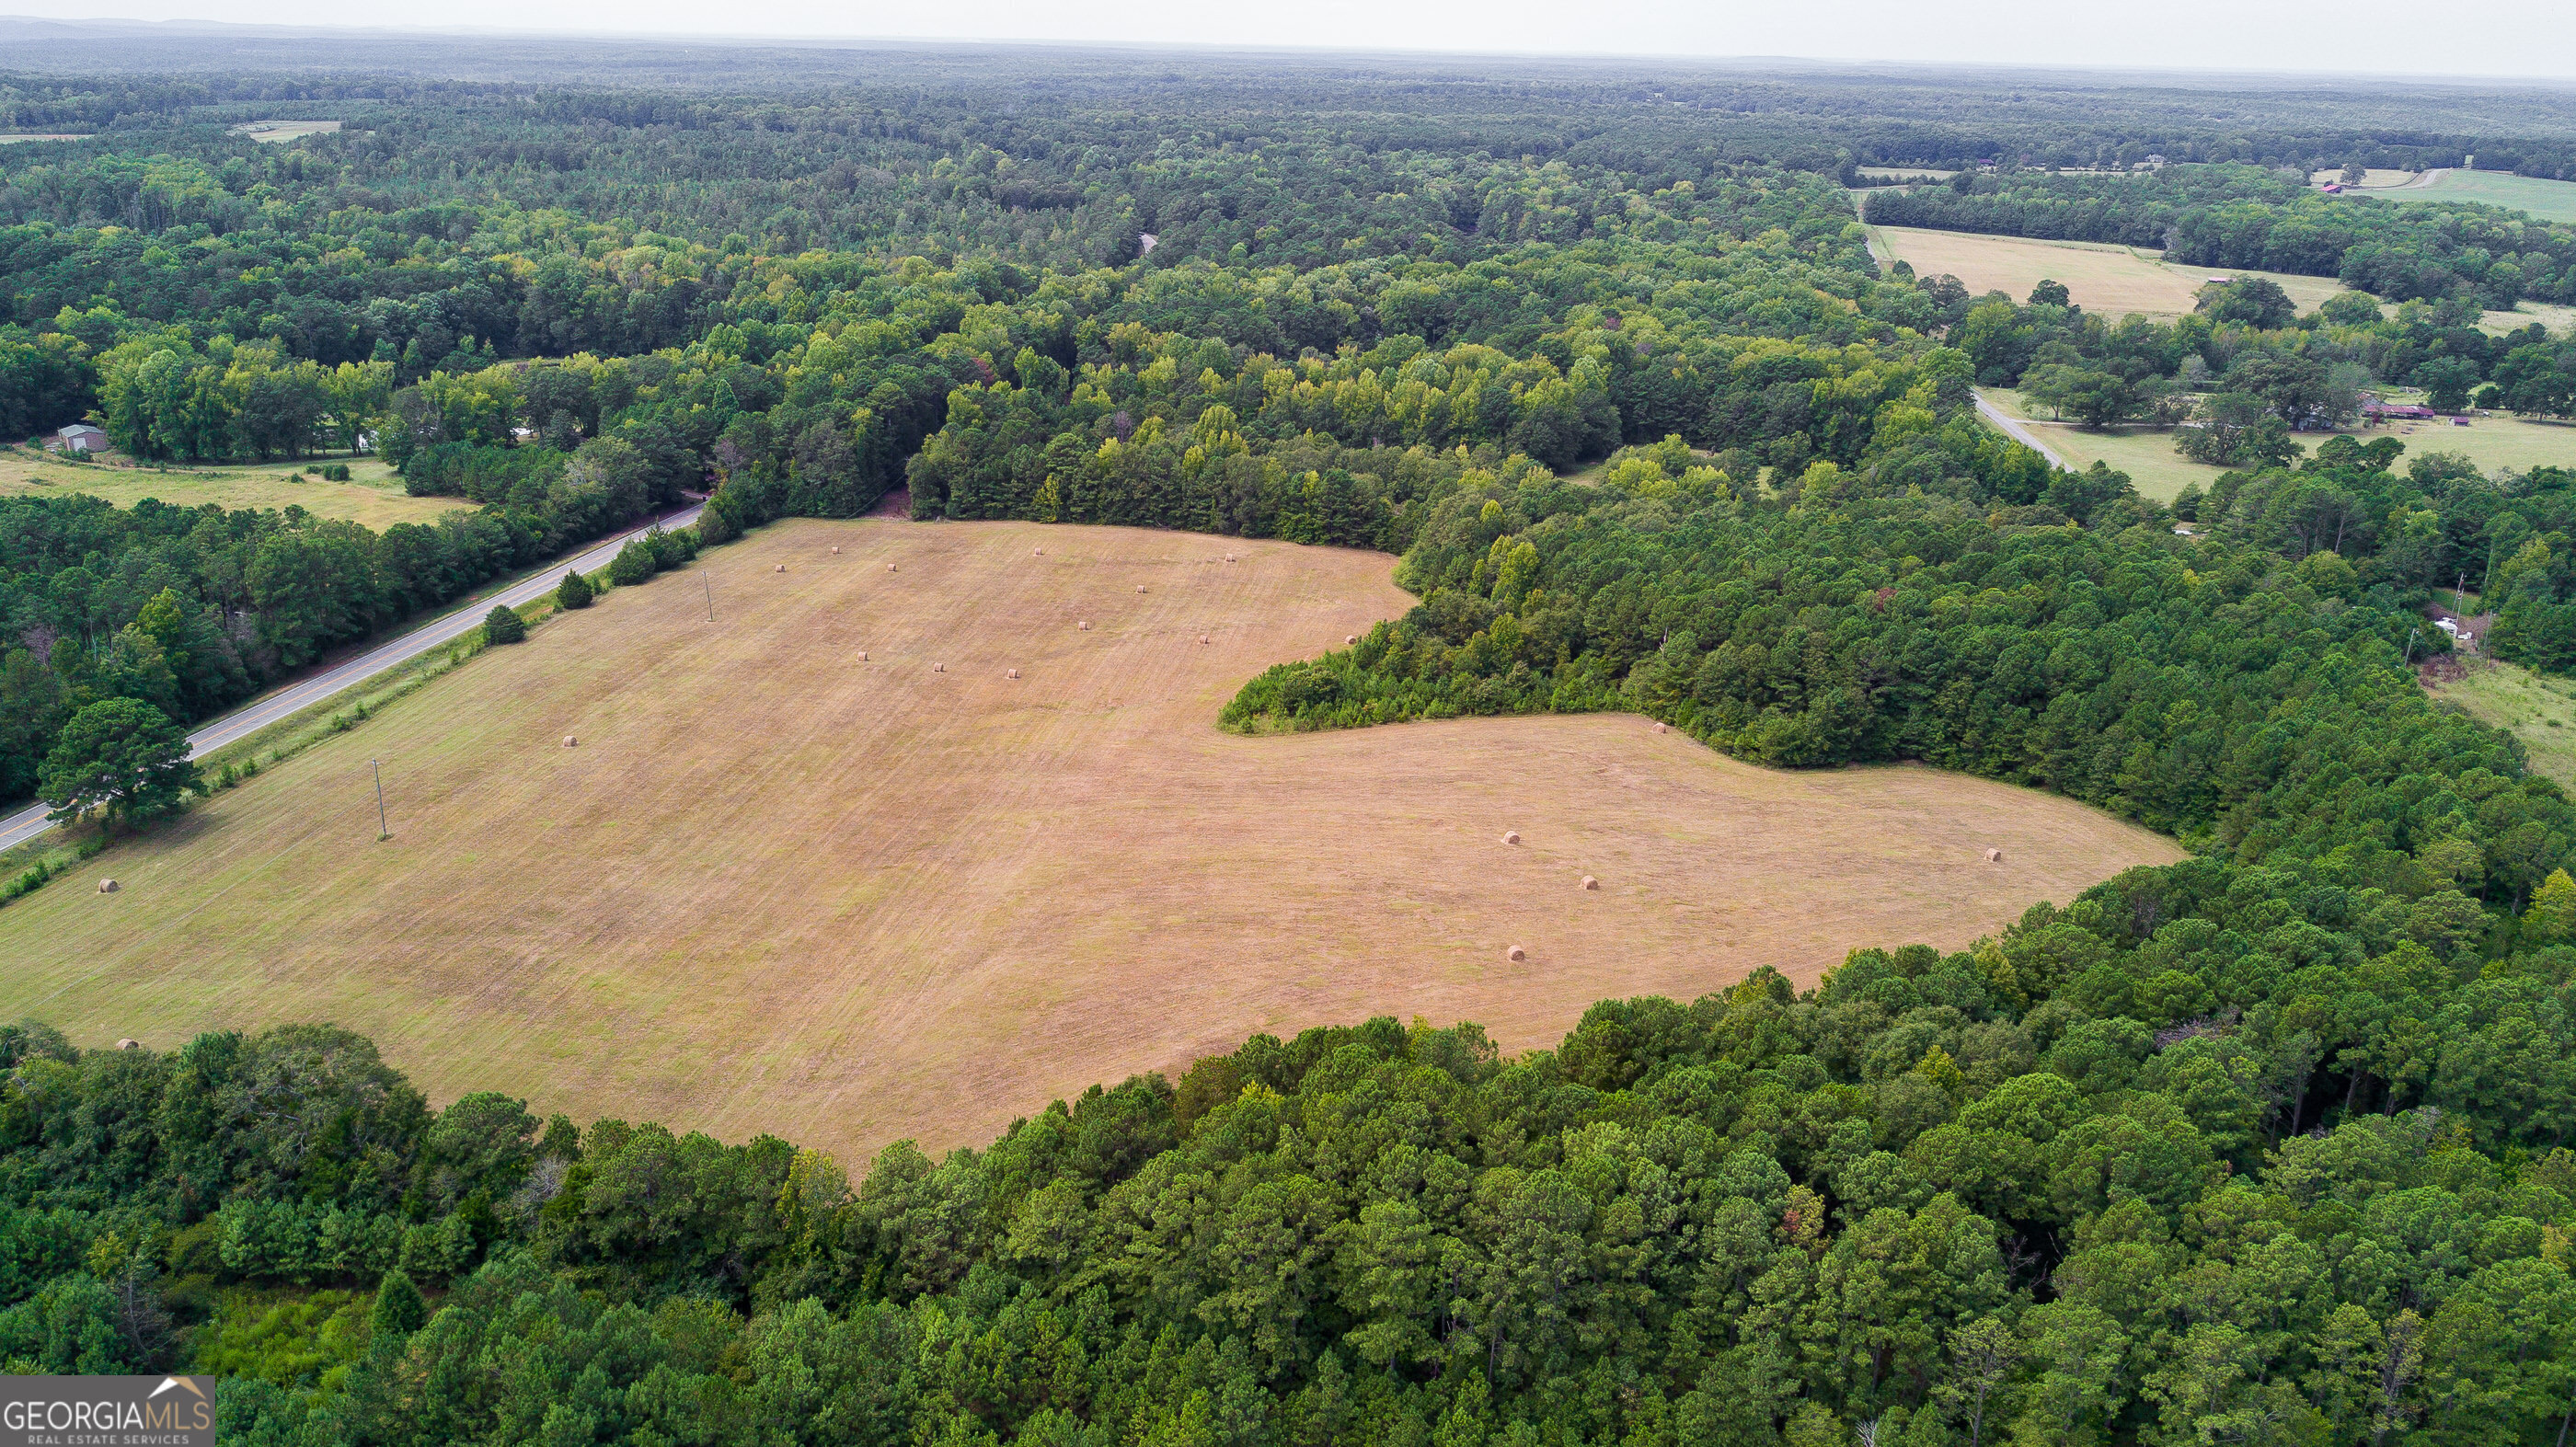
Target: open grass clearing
2493,442
373,495
778,888
2159,472
2144,453
2542,199
13,139
2372,178
2538,710
2556,316
2112,280
285,130
1905,173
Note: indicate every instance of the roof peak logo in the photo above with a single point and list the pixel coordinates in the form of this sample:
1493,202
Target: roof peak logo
168,1382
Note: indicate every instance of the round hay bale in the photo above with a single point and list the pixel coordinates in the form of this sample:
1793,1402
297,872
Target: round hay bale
863,655
1037,552
1659,728
568,741
1084,625
1015,673
782,567
836,552
1140,587
939,668
1511,836
1203,638
108,886
1350,640
1591,883
1229,557
129,1044
1516,954
891,568
1994,856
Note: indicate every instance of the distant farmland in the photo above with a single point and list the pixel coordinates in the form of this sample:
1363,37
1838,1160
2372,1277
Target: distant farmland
2544,200
776,887
286,130
2111,280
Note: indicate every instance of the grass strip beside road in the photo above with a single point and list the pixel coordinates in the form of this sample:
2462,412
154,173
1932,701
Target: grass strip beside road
28,826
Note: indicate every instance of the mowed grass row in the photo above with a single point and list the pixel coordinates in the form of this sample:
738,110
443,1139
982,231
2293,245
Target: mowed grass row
775,887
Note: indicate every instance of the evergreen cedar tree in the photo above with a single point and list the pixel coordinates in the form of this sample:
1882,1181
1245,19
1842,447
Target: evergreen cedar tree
2268,1146
574,591
504,625
120,759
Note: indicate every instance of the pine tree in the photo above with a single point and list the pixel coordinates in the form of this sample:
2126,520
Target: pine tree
399,1310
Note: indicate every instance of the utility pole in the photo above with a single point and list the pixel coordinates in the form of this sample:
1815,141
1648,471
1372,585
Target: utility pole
382,832
711,598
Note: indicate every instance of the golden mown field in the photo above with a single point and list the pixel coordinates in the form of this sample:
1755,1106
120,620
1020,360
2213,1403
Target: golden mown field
777,887
2111,280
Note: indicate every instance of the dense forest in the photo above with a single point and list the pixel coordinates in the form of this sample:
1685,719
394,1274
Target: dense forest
2270,1146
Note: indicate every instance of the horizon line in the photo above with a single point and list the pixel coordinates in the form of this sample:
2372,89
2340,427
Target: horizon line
1254,48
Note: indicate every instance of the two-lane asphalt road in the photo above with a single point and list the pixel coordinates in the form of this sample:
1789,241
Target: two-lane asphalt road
260,712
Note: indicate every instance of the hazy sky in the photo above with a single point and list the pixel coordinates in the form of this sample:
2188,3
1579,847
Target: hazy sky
2502,37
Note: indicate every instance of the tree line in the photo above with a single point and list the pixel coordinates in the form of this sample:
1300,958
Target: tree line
2265,1152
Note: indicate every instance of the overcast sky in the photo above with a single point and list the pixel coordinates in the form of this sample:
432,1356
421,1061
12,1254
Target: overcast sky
2535,38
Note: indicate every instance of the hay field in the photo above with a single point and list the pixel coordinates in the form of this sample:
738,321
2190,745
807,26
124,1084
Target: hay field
2111,280
373,495
778,888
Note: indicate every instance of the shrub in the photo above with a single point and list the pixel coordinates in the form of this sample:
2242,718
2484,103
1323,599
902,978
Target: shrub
503,625
671,550
335,472
573,592
634,563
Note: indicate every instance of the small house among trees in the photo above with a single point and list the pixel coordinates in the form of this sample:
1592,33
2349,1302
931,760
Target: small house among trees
80,437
